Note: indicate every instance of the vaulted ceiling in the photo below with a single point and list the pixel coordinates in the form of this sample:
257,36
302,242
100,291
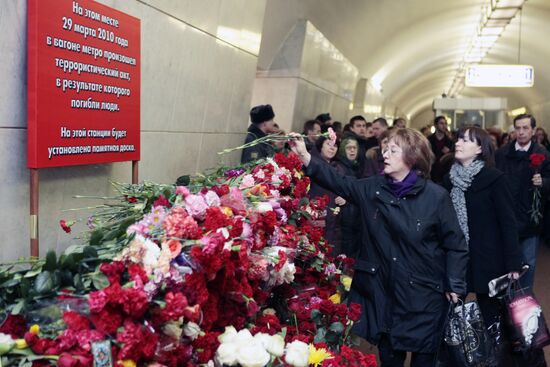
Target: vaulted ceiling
414,47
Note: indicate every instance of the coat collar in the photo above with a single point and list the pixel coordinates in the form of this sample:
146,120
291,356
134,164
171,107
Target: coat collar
256,131
417,187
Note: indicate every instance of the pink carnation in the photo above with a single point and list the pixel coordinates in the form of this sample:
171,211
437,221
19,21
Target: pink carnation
196,206
182,190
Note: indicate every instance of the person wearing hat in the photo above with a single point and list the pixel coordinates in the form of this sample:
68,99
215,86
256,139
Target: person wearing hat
262,125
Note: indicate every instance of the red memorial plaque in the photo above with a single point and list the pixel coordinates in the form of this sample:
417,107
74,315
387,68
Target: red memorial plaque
83,84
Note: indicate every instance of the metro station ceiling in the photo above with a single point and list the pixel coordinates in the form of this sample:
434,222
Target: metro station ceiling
414,47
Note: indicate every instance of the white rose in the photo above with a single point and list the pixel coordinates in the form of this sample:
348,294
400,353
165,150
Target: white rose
191,330
228,335
276,345
297,354
243,336
226,354
252,354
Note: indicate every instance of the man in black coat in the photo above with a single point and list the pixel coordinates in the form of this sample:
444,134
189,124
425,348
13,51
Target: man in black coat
514,160
441,144
262,124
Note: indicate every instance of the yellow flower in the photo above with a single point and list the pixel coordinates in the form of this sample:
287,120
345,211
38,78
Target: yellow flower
335,298
317,356
127,363
35,329
21,344
346,282
227,211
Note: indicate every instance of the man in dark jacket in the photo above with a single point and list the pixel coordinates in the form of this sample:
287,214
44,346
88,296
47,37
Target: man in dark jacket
441,144
514,160
262,125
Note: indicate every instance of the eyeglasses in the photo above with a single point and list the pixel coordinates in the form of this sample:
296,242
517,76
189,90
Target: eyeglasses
391,151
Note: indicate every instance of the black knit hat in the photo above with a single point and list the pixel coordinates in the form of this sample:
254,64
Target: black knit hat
324,117
261,113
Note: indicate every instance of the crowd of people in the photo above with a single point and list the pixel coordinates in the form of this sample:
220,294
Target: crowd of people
428,217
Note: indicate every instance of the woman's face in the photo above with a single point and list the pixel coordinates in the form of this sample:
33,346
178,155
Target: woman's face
540,135
328,150
351,150
394,165
465,150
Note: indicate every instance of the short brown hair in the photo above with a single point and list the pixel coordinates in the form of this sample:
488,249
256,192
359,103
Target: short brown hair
417,152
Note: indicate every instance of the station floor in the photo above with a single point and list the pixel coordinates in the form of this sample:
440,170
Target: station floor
542,292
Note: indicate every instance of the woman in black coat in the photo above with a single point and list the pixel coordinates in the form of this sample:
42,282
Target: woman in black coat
413,253
346,163
326,151
483,202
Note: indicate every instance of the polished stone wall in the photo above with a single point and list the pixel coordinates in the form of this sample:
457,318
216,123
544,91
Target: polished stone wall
198,65
307,76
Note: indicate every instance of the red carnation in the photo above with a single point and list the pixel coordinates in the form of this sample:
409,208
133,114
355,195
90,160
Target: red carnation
107,320
162,201
112,270
137,272
66,226
75,321
175,306
14,325
135,302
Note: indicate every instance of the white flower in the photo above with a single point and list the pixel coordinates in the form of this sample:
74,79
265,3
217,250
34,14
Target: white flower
152,253
172,329
191,330
212,199
226,354
243,335
247,182
6,343
228,335
252,354
264,207
297,354
274,344
288,272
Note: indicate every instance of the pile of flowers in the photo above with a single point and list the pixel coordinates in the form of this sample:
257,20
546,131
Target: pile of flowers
228,270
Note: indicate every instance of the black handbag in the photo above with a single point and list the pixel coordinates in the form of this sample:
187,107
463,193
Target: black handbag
466,341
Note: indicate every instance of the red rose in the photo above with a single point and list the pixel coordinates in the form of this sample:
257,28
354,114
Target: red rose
536,160
326,307
354,311
75,321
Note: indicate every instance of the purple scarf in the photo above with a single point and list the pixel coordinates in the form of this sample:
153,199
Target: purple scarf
402,188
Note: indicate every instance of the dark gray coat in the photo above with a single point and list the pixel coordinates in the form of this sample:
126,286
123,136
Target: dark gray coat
412,252
494,242
259,151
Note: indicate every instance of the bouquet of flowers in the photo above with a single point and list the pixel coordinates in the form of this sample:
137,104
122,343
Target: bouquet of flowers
227,270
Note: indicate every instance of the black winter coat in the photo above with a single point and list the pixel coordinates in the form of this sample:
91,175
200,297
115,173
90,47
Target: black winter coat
412,252
516,166
349,217
259,151
494,243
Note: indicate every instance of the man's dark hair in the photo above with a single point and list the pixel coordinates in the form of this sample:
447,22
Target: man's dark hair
309,125
440,117
526,116
382,121
356,118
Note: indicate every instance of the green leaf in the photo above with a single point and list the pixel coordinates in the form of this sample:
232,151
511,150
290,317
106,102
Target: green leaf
316,315
337,327
100,281
90,252
51,261
95,238
44,282
33,272
18,307
320,335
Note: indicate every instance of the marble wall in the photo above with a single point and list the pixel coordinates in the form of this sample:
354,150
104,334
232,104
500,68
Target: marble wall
307,76
198,67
